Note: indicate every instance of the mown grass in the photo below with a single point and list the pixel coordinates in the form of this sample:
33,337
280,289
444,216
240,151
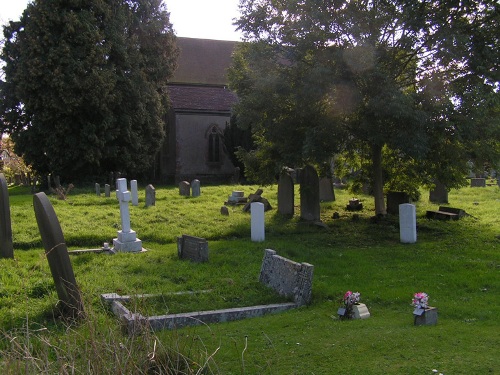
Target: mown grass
456,263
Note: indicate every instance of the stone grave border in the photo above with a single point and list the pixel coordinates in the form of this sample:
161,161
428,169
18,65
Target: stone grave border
275,271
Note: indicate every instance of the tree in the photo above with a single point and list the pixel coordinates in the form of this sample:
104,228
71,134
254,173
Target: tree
411,77
84,89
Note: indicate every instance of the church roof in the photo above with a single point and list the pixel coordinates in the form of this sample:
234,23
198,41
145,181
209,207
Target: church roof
201,98
203,61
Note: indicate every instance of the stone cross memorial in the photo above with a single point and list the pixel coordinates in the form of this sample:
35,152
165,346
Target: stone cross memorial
57,256
6,245
127,240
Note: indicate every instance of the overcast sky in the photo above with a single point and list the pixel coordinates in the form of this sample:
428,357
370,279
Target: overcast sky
209,19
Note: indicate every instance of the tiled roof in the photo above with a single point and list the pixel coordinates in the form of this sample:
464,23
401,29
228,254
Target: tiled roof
201,98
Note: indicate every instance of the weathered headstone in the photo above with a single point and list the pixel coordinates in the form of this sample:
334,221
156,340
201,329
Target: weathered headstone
57,181
195,188
237,197
477,182
57,256
127,240
407,223
193,248
439,194
150,195
224,211
286,195
184,188
309,194
107,190
97,189
257,222
394,199
326,193
135,193
6,245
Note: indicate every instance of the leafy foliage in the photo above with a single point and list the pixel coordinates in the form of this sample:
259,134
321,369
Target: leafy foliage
84,85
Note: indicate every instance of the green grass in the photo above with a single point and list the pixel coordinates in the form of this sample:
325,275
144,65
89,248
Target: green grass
456,263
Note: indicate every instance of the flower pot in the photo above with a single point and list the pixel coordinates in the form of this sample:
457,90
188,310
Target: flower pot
425,317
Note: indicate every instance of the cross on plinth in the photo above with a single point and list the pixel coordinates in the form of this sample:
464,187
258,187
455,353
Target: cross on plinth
127,239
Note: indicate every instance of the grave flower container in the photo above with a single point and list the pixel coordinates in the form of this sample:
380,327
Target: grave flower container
425,317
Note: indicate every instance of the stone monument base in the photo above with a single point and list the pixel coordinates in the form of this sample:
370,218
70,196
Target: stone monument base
127,242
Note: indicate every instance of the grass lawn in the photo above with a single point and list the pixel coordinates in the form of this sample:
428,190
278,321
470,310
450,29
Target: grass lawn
455,262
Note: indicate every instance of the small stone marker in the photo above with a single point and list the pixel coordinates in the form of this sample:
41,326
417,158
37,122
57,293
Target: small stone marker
326,193
439,194
224,211
360,311
6,244
257,222
477,182
425,317
195,188
407,223
97,189
150,195
127,240
193,248
57,256
135,193
286,195
309,194
107,190
184,188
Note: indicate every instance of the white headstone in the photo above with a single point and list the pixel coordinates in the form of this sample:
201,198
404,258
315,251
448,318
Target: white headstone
133,190
407,223
107,190
97,189
257,222
127,239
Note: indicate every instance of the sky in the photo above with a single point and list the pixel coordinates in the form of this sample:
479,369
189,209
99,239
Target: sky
207,19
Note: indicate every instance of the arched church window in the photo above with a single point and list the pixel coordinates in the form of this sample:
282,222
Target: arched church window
214,145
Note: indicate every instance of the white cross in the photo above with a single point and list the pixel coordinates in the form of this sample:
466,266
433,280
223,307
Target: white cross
123,197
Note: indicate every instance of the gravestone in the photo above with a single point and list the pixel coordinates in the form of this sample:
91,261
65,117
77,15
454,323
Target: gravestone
309,194
192,248
394,199
57,256
237,197
184,188
407,223
326,193
224,211
6,245
439,194
97,189
257,222
195,188
477,182
107,190
286,195
150,195
135,193
127,240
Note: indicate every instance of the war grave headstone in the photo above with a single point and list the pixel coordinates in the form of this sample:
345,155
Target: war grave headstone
288,278
195,188
184,188
107,190
192,248
6,244
407,223
150,195
394,199
477,182
134,192
57,256
439,194
326,193
286,195
97,189
257,222
309,194
127,240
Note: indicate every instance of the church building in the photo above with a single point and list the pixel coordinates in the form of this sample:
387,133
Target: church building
200,110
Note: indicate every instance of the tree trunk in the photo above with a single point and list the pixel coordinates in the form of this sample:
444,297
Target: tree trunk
378,181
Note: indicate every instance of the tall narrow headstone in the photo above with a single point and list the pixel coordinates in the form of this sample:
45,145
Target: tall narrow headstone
107,190
309,194
257,222
326,193
439,194
286,195
150,195
6,245
184,188
407,223
57,256
97,189
195,188
127,240
135,193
